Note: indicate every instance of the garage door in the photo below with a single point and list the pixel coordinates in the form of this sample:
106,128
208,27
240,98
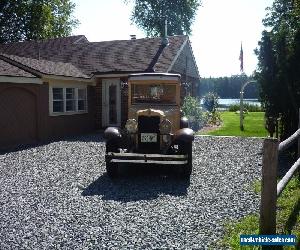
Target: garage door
18,121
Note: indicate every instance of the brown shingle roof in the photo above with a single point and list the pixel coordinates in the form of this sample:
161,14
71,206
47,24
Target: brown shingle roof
102,57
7,69
47,67
31,48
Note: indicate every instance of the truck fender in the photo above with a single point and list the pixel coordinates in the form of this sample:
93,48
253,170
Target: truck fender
113,134
183,135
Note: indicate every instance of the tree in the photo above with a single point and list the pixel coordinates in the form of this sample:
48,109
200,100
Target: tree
35,19
150,16
278,68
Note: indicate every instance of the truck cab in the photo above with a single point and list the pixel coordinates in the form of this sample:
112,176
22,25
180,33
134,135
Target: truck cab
155,132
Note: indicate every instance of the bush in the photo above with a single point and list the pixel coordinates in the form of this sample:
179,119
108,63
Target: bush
192,110
213,118
211,103
246,106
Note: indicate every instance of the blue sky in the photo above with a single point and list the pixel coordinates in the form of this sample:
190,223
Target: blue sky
217,32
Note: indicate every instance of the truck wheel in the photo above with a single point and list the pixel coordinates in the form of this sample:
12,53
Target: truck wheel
111,167
111,146
187,148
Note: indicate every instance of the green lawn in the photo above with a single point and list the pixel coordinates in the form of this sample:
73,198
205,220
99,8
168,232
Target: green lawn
288,219
253,125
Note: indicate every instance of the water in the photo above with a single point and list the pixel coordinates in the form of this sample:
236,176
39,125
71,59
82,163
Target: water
225,103
228,102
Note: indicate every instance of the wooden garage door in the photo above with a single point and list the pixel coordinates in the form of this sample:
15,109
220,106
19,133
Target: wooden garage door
18,121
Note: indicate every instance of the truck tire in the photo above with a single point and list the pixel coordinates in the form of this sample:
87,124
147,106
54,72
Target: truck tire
187,148
111,167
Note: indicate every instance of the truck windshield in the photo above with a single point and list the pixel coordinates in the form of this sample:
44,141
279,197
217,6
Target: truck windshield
153,93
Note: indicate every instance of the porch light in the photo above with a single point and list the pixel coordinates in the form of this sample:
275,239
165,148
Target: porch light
123,84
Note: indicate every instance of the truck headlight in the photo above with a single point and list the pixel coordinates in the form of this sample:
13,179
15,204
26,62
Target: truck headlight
131,126
165,126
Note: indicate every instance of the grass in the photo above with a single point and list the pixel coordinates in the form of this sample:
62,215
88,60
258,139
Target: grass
253,125
288,204
288,219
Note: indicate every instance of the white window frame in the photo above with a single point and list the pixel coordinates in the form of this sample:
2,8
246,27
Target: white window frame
65,112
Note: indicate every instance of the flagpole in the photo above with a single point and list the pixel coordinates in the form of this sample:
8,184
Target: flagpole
241,58
242,104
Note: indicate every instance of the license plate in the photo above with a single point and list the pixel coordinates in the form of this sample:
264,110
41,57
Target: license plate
148,137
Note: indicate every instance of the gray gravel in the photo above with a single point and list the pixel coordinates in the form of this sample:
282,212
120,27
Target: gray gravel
58,196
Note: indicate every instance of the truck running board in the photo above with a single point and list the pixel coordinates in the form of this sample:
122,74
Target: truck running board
149,162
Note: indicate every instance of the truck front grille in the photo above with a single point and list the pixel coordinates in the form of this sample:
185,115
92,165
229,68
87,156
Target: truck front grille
148,124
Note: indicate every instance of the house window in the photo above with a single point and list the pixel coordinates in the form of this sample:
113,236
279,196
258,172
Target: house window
69,100
58,100
81,99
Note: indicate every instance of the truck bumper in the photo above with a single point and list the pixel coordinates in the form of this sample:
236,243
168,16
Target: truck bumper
138,158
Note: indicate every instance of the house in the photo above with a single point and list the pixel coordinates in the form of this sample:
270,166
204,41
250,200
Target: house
67,86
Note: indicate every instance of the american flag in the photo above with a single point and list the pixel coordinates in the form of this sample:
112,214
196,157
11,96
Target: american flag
241,59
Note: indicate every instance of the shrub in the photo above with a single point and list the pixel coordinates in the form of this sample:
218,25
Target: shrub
234,107
192,110
211,103
213,118
246,106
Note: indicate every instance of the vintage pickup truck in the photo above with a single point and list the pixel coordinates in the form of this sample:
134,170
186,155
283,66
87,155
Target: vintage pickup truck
155,132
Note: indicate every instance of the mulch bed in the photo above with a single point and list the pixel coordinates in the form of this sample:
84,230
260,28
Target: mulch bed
209,128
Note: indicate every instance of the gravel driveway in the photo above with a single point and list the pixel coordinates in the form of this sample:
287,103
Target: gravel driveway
59,196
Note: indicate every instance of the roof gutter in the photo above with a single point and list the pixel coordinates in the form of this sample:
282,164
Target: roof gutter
20,79
113,74
70,78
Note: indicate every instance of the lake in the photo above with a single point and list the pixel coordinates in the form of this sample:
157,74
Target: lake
228,102
225,103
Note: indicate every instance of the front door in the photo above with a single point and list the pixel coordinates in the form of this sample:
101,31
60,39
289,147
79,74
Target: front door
111,102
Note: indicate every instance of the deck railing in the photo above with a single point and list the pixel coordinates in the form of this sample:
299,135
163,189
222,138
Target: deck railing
270,190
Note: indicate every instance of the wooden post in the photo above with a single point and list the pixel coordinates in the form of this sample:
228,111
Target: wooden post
269,187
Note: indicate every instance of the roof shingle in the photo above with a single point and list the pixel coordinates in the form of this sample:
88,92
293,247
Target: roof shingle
7,69
48,67
109,56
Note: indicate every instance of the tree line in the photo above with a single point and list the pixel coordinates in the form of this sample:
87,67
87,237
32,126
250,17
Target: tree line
228,87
